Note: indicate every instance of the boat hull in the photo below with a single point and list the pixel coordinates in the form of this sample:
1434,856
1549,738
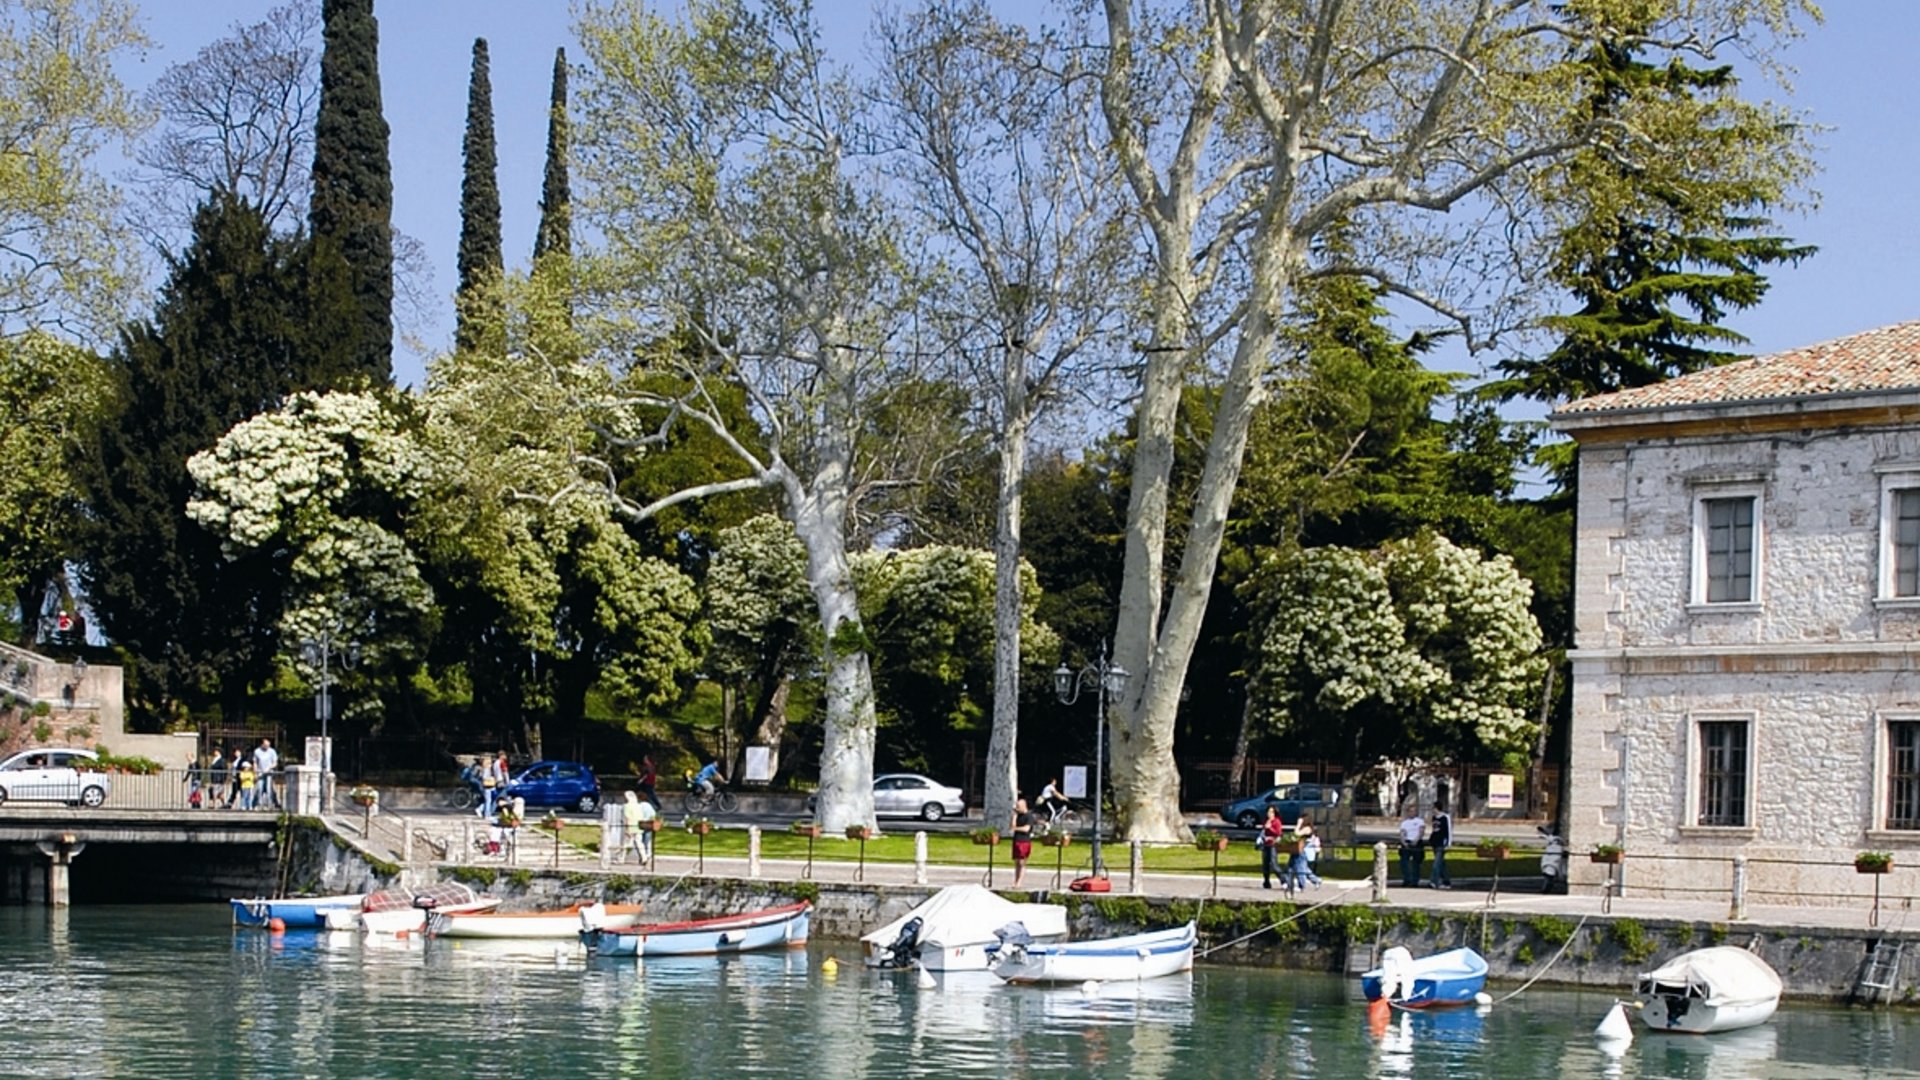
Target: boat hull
414,920
1455,977
1137,956
775,928
565,923
297,913
1683,1017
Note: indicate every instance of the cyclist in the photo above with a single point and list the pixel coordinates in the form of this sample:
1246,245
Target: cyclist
1052,803
708,778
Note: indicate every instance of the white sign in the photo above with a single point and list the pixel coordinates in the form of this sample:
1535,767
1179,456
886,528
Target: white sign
1500,791
759,764
320,753
1074,779
1285,776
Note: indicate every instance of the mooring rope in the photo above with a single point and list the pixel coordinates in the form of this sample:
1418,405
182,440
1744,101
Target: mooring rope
1264,929
1556,959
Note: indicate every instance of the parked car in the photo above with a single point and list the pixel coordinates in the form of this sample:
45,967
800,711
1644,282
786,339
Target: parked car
556,783
54,774
912,795
1292,799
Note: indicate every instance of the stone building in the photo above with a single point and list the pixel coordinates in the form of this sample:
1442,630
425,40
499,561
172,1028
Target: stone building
1746,663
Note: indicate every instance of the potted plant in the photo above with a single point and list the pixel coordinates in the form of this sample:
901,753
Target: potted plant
1493,848
363,796
1607,853
699,826
1873,862
552,822
1055,837
1208,840
1289,845
651,824
986,837
808,829
859,832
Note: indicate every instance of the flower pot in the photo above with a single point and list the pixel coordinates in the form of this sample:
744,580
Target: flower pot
1872,867
859,832
987,840
1612,858
1290,847
365,800
700,828
1497,854
1056,839
650,825
1218,843
812,832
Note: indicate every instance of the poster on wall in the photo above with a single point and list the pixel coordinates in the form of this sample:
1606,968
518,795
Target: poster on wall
1500,791
1073,779
759,764
1285,776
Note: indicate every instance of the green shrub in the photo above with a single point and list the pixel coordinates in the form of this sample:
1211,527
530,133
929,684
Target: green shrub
483,876
1634,941
520,879
1553,931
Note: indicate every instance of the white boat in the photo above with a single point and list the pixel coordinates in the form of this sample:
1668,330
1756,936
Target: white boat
951,930
1136,956
565,923
782,927
404,911
1715,989
1454,977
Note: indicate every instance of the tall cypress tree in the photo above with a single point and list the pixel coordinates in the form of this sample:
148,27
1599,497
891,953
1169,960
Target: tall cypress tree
481,261
228,339
351,214
556,196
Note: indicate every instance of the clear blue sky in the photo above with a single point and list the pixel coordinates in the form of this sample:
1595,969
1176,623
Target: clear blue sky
1857,76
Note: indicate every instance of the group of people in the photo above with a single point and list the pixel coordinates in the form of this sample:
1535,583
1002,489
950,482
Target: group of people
1420,835
490,774
1299,872
236,777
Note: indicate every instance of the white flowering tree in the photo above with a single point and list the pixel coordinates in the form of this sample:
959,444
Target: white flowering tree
326,482
762,621
1418,650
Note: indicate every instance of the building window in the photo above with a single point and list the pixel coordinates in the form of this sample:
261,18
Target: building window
1728,556
1903,774
1903,541
1724,771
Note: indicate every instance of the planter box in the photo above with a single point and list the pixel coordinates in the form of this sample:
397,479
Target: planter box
1056,839
1218,843
365,800
1290,847
810,831
1612,858
988,840
700,828
1497,854
650,825
1872,868
859,832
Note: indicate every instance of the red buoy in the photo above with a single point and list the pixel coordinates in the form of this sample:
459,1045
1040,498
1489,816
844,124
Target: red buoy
277,924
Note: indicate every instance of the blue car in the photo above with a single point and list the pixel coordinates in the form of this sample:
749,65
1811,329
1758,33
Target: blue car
556,783
1292,799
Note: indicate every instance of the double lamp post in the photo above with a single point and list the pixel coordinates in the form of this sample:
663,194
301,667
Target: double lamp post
1112,681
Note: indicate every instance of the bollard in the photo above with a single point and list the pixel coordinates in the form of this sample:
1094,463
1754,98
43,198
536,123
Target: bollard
466,844
753,851
608,841
406,844
1380,872
1135,861
1739,909
920,857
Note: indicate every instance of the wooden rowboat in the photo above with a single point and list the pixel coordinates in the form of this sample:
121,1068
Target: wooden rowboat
774,928
1136,956
566,922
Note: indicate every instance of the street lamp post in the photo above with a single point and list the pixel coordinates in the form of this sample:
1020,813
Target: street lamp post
319,652
1067,685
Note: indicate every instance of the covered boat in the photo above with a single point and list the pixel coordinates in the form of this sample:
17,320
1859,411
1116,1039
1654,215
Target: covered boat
1453,977
566,922
1135,956
774,928
951,930
404,911
1715,989
294,912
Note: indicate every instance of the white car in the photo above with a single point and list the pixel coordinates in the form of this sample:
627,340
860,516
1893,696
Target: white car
53,774
912,795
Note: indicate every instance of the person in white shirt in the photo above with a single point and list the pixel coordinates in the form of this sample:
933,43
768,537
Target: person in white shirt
265,760
1412,851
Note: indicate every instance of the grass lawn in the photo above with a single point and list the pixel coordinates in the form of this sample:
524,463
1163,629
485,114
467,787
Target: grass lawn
958,849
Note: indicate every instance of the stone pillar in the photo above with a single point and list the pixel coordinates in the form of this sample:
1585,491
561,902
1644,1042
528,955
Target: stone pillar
406,842
60,851
920,857
466,845
1135,873
1380,872
1739,907
753,851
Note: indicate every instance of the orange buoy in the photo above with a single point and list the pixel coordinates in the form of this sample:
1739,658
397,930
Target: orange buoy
1379,1012
401,934
277,924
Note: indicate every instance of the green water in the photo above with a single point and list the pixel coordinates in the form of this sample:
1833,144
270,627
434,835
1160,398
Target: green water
176,992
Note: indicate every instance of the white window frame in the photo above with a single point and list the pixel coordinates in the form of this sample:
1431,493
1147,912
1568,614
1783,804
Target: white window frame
1702,495
1880,828
1695,758
1892,483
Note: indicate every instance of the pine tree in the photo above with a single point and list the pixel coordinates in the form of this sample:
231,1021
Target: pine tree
228,339
556,196
479,314
351,214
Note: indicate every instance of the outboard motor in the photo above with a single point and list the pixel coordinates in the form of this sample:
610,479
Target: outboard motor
1553,863
905,949
1014,933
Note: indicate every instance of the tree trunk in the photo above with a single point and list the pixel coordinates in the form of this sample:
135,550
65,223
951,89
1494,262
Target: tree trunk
847,736
772,727
1003,775
1242,742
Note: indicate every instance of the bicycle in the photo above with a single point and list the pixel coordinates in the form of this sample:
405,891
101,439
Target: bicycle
698,801
464,797
1064,818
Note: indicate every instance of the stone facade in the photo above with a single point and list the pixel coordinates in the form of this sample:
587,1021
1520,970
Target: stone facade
1802,677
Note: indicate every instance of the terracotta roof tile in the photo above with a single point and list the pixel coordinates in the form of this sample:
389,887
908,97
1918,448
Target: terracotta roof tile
1883,359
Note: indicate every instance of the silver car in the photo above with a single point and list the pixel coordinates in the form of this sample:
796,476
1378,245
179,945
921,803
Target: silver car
913,795
54,774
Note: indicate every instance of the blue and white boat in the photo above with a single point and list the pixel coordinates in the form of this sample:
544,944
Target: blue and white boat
775,928
1453,977
294,912
1136,956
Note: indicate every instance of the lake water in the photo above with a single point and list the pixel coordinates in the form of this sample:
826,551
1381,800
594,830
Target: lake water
177,992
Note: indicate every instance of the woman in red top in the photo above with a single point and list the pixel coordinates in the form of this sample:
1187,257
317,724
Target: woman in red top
1270,834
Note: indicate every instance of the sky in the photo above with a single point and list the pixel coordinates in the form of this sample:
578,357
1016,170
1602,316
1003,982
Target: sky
1856,78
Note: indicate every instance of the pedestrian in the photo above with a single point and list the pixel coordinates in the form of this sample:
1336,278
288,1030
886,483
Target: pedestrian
196,783
249,793
265,761
1411,830
1269,841
649,777
236,793
489,785
1439,839
217,778
635,816
1299,873
1022,840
